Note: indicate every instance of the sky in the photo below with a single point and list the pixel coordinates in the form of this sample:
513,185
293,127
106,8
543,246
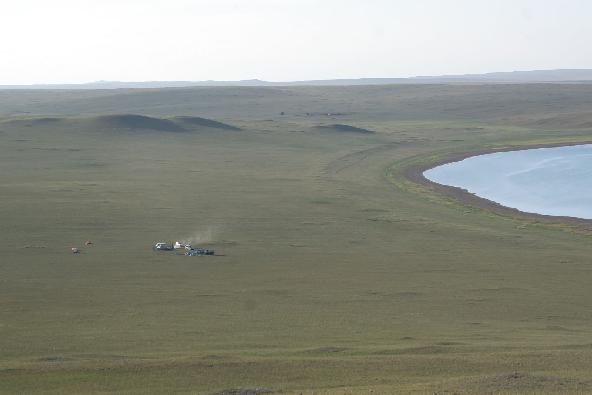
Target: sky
75,41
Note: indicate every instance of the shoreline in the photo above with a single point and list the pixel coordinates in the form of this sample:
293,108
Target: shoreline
414,173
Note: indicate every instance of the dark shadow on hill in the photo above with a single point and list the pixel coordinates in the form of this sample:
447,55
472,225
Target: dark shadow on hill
343,128
123,122
132,121
189,121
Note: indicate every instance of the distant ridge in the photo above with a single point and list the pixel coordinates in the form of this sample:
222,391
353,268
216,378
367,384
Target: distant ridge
122,122
133,121
511,77
204,122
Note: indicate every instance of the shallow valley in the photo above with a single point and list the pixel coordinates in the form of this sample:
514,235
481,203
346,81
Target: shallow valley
336,274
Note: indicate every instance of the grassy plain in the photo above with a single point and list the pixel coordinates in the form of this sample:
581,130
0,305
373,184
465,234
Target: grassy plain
336,276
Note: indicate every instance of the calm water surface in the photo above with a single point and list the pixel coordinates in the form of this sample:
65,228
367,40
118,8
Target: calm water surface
552,181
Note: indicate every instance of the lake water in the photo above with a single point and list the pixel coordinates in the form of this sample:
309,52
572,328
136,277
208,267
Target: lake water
551,181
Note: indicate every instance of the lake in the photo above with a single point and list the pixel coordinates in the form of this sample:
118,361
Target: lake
552,181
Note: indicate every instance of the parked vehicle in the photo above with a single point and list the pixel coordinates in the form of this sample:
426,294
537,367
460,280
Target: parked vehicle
199,252
161,246
179,246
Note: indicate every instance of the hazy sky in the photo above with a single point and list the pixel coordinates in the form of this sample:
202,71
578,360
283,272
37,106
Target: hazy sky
58,41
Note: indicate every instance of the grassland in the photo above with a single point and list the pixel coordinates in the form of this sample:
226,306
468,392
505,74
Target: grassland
336,274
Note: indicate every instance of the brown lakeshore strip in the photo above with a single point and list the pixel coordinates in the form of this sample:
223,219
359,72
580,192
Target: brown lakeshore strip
414,173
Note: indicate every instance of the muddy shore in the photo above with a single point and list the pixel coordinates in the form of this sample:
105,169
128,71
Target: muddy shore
415,174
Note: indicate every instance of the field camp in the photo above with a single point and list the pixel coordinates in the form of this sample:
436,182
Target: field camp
190,250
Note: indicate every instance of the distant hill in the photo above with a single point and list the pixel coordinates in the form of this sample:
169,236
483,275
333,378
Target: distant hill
540,76
193,122
119,122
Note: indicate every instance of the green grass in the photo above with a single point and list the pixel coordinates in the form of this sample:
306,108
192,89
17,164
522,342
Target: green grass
337,276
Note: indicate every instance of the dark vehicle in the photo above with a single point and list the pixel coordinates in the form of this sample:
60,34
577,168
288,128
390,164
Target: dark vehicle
199,252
